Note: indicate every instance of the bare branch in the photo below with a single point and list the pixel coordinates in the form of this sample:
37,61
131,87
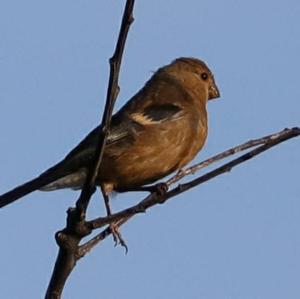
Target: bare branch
76,228
232,151
120,218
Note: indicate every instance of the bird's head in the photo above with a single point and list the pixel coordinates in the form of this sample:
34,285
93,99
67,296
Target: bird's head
195,75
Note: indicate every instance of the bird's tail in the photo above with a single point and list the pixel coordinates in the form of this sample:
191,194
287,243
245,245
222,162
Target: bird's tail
23,190
68,173
47,178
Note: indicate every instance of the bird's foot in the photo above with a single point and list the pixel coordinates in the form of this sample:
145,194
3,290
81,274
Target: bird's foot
118,239
114,228
160,188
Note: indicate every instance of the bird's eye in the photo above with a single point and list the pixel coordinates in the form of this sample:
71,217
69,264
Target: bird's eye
204,76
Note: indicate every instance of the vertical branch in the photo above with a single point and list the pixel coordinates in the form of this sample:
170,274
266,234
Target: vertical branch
111,96
76,228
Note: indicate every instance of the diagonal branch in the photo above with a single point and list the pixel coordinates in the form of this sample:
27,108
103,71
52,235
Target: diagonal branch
262,144
232,151
69,238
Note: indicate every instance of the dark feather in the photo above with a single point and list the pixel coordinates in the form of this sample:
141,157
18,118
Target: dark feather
161,112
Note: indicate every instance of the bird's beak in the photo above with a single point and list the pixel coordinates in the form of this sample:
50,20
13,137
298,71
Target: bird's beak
213,92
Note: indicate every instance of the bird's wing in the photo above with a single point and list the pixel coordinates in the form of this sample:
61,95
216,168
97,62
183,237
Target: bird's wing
84,151
155,114
162,112
153,105
162,99
123,131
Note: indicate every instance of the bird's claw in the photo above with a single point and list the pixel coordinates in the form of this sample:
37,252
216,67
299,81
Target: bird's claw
118,239
161,188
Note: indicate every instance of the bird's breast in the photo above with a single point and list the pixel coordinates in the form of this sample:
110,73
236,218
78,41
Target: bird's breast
196,137
156,152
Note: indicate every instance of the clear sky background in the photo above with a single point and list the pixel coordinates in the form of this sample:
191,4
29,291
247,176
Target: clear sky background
236,237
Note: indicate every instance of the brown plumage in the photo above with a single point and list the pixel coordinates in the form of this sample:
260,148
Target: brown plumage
158,131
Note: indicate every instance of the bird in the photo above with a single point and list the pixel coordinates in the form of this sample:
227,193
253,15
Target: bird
157,132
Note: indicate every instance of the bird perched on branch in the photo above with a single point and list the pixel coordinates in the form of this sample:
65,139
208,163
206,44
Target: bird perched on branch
158,131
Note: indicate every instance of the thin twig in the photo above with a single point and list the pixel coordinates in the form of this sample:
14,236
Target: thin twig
232,151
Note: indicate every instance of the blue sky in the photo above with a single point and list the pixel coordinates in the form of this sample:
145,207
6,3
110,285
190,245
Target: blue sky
236,237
